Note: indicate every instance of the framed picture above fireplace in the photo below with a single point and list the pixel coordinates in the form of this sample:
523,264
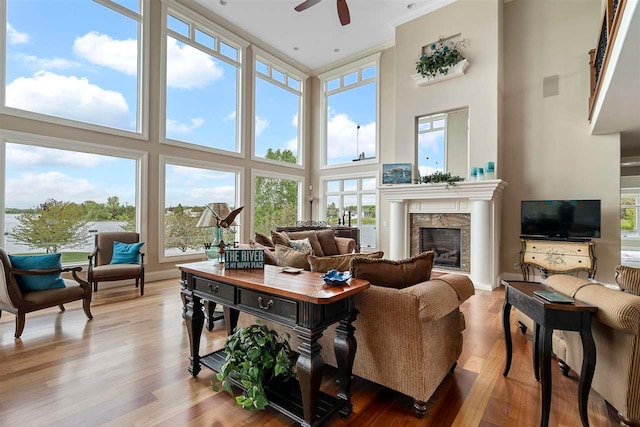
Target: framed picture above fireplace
397,173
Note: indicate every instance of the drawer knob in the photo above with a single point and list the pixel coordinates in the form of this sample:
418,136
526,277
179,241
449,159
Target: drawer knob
265,307
533,257
212,289
183,283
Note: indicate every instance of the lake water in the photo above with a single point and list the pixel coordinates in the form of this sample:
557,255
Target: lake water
12,247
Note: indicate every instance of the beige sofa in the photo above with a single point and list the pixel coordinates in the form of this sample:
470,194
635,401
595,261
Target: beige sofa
616,332
408,339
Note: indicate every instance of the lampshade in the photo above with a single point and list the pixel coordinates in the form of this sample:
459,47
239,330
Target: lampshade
208,219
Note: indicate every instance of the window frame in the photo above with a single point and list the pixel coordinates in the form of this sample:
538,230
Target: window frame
182,161
142,133
278,175
439,116
627,193
340,72
171,7
271,61
359,192
142,170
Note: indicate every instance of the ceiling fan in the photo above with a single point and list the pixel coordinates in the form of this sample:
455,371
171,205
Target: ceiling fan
343,9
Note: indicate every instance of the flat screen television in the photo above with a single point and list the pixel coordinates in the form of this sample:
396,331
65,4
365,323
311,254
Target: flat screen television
560,219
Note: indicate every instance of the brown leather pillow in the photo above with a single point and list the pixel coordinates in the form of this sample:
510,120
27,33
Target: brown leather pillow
313,239
269,254
264,240
280,238
338,262
628,278
393,274
327,239
289,257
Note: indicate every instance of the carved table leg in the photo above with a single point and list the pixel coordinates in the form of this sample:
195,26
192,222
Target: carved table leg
545,370
536,351
345,346
309,369
506,326
230,319
209,307
194,319
588,367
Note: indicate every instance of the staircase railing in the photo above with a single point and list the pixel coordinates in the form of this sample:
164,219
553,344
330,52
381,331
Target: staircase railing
599,57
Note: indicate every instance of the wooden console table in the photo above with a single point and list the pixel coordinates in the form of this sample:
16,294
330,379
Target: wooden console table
551,256
301,301
547,317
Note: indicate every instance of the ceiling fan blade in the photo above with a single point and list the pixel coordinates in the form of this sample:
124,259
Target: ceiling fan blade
343,12
306,5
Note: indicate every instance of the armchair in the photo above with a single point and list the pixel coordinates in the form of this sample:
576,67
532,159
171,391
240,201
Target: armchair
100,267
13,300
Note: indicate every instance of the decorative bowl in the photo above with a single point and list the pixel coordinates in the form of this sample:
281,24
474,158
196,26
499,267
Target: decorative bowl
336,278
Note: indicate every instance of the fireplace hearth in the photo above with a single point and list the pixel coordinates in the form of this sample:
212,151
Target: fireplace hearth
446,243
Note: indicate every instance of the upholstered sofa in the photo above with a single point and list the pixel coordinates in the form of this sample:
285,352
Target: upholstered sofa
616,331
408,339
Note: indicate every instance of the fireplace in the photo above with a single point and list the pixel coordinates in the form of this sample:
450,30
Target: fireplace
446,243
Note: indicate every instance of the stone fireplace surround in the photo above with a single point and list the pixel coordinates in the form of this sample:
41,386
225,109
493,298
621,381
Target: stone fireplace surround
480,199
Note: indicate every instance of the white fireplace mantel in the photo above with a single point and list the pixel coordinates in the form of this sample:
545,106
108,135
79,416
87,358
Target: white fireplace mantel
479,198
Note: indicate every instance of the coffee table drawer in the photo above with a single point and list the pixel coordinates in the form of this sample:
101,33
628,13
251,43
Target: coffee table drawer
221,291
272,306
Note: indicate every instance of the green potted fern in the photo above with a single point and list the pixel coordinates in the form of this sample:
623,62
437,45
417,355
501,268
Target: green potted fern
440,61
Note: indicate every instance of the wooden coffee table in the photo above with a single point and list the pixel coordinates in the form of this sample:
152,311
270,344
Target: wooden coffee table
301,301
547,317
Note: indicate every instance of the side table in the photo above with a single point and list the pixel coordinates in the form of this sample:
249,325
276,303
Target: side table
548,316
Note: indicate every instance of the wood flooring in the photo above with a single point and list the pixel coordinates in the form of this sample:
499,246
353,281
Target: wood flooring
128,367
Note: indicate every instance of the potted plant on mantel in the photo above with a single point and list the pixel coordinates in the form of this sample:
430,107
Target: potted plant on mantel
255,356
441,61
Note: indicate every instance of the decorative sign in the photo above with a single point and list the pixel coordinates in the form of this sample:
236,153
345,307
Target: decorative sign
243,258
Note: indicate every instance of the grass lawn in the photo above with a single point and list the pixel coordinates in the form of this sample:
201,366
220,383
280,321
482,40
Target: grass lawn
66,256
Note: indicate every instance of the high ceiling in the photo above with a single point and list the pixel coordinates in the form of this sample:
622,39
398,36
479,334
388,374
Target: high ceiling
316,32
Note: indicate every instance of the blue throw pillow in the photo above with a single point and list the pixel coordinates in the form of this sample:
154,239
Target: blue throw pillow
126,253
37,262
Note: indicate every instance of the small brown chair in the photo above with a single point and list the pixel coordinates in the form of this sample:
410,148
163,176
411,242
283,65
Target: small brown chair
100,269
13,300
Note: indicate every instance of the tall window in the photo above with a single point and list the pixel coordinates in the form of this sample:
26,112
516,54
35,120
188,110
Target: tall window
202,84
353,198
276,201
629,215
432,142
278,111
350,105
188,189
71,196
78,60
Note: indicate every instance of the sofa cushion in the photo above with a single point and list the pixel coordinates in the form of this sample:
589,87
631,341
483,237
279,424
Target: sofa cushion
269,253
51,297
628,278
37,262
302,245
264,240
327,239
280,238
394,274
313,239
289,257
337,262
116,271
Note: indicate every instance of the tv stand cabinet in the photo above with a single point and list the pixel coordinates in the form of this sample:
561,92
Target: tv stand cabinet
553,256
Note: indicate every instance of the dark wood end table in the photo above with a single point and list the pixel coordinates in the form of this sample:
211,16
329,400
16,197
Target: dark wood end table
548,316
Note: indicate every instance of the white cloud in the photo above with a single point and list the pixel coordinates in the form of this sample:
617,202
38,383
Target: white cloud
230,116
24,155
292,145
433,141
68,96
50,185
173,126
16,37
342,134
101,49
189,68
428,170
48,63
261,125
294,120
